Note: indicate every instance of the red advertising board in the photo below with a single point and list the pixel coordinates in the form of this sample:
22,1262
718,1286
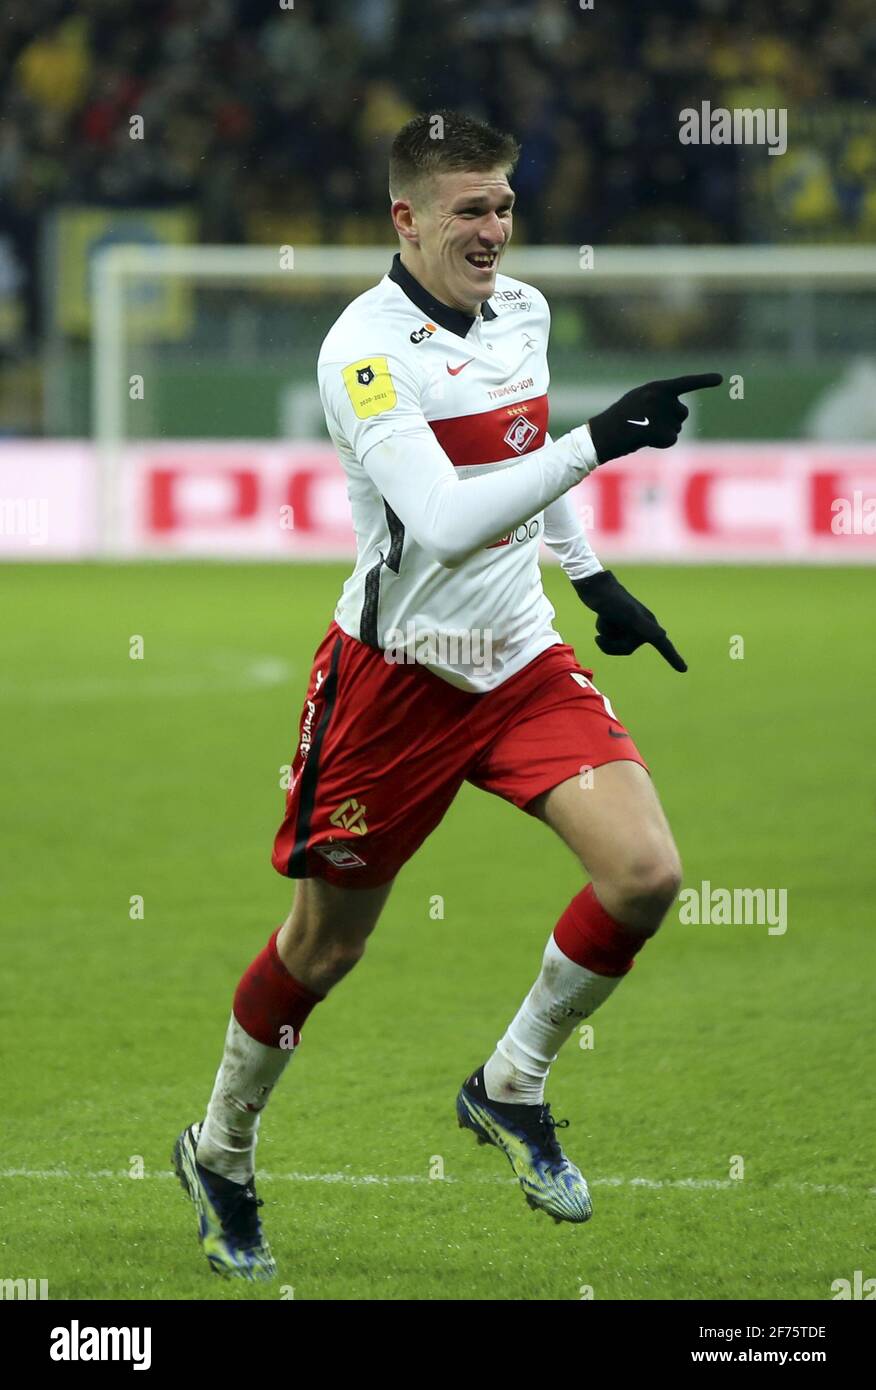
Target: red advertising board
793,502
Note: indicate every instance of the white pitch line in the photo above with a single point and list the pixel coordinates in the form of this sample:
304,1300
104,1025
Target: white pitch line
262,674
392,1179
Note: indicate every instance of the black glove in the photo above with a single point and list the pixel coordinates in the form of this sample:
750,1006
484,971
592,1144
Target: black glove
623,623
650,414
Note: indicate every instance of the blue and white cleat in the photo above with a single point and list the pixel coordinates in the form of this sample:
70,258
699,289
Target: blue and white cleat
526,1135
228,1224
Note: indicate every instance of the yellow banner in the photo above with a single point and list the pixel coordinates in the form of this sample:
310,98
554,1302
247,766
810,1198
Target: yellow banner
158,307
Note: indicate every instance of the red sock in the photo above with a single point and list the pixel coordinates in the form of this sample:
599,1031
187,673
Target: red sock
268,998
590,937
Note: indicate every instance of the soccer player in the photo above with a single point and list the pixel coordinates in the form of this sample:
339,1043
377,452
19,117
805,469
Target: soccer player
441,666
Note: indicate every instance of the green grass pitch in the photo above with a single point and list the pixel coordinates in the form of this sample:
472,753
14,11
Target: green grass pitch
160,778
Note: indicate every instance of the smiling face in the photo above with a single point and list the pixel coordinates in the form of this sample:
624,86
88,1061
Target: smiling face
453,230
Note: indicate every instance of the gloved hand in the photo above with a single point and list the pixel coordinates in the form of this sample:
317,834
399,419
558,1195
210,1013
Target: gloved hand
648,415
623,623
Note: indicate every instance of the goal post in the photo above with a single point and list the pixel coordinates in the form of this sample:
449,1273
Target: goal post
663,304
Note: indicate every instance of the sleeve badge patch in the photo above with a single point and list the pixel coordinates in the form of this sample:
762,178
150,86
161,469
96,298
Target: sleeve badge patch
370,387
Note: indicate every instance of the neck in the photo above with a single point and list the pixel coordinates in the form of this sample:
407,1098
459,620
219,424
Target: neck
414,263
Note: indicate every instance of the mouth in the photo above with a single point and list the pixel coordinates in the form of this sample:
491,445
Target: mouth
483,261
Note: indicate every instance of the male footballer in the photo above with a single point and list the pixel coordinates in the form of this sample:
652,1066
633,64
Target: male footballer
434,385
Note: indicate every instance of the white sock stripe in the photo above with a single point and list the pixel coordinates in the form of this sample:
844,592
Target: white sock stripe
523,1047
563,996
246,1077
517,1059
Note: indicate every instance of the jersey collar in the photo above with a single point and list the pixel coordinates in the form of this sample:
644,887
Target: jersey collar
452,319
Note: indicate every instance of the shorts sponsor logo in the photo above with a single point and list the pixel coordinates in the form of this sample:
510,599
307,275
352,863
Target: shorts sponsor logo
307,729
350,815
340,856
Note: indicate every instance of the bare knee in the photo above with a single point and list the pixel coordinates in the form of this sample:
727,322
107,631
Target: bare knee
642,889
325,934
337,959
317,955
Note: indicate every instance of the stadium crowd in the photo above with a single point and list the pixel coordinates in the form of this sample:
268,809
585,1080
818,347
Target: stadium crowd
255,113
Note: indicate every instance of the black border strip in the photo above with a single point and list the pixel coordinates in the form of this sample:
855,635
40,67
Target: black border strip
368,618
297,865
396,538
370,604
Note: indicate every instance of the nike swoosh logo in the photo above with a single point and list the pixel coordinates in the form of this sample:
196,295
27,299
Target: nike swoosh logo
454,371
613,733
639,422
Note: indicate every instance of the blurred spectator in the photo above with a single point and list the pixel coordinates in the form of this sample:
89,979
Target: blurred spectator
252,114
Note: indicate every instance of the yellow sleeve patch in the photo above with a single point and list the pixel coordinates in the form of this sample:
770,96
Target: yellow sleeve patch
370,386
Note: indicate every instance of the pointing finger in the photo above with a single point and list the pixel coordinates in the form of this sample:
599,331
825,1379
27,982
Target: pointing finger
680,384
668,652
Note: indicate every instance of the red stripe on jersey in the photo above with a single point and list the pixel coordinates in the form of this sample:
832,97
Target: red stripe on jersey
494,435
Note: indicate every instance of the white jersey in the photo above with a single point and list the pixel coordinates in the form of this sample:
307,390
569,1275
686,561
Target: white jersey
418,398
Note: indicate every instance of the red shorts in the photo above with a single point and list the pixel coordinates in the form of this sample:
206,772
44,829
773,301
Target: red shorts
384,748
